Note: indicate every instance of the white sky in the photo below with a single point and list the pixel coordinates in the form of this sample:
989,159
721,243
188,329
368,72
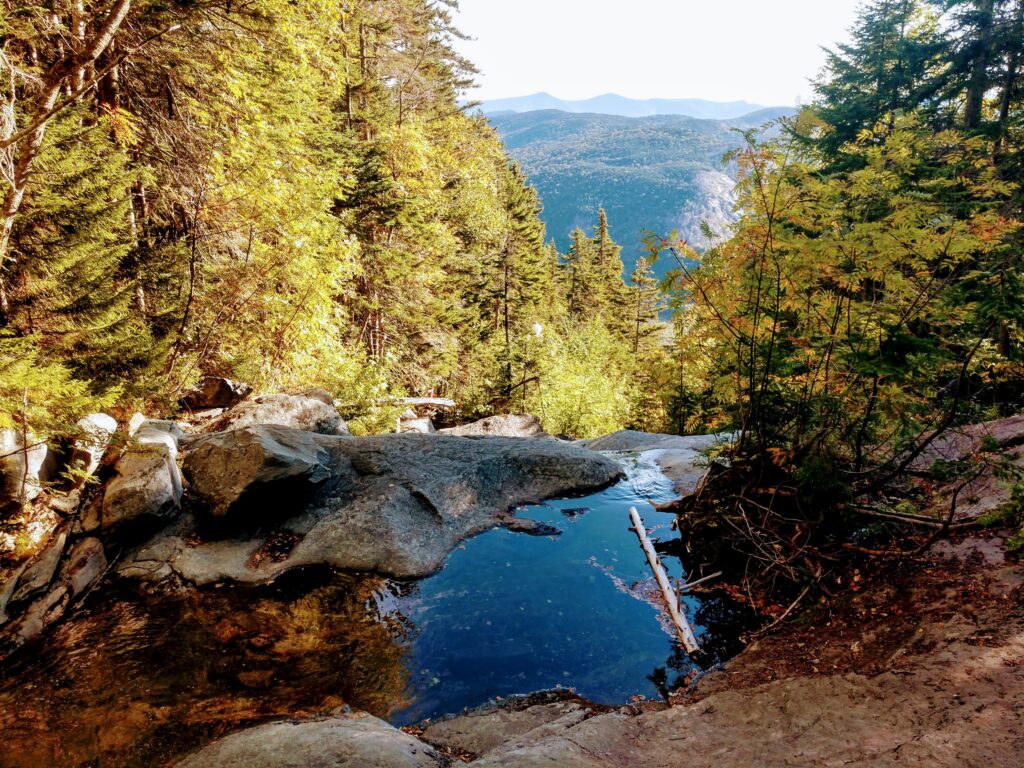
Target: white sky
762,51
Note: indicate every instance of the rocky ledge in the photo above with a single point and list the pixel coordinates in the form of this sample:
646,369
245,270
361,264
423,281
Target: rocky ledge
268,499
247,488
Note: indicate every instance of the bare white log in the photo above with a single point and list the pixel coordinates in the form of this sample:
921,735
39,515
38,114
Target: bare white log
691,584
686,635
436,402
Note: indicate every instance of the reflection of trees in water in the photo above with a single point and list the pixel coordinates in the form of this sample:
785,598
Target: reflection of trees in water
134,682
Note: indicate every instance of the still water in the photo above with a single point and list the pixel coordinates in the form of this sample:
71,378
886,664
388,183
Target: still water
136,680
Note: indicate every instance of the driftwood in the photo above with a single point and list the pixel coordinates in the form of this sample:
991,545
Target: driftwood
686,635
413,402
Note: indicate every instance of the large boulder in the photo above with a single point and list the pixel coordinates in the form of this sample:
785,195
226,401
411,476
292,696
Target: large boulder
20,467
312,411
147,489
355,741
249,471
215,392
391,504
96,431
506,425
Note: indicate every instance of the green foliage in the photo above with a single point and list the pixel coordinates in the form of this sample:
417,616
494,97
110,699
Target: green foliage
290,194
39,395
579,398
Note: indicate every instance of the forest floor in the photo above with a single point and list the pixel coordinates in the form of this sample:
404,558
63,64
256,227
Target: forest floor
919,663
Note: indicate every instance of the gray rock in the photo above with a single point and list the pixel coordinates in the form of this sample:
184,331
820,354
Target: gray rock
312,411
96,429
248,470
66,504
356,741
20,468
489,727
39,615
7,591
148,487
423,426
215,392
40,571
677,456
392,504
86,564
506,425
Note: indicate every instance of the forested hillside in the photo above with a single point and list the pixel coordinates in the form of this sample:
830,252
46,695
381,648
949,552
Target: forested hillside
283,192
659,173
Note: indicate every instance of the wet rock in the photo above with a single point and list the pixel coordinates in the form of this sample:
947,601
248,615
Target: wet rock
391,504
147,489
96,429
312,411
20,468
676,455
507,425
7,588
86,564
39,615
215,392
531,527
356,741
40,571
252,470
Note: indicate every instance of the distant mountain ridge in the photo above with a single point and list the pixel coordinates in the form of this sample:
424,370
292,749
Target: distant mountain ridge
659,173
613,104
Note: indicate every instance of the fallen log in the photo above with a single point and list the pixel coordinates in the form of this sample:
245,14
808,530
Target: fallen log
415,402
686,635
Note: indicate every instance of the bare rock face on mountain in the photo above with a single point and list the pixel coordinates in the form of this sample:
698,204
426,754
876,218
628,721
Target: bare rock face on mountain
505,425
355,741
312,411
391,504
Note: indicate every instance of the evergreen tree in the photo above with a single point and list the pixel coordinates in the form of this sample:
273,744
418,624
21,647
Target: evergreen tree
890,64
648,303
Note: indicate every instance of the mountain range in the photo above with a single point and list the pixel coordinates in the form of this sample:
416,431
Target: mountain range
661,174
613,104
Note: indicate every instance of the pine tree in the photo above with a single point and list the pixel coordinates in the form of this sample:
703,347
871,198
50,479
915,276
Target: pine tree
648,303
891,64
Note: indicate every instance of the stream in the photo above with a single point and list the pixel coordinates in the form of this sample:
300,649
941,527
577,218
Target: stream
132,680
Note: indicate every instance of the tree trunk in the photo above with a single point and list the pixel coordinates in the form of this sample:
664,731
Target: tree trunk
978,82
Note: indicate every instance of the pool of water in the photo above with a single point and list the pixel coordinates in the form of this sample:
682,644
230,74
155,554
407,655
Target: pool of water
511,614
133,680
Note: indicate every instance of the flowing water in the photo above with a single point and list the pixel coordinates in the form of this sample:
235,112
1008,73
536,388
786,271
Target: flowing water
140,680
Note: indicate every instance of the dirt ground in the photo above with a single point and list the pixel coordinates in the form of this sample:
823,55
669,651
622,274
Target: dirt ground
920,663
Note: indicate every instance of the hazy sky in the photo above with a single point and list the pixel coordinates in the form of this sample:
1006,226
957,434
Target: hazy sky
763,51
